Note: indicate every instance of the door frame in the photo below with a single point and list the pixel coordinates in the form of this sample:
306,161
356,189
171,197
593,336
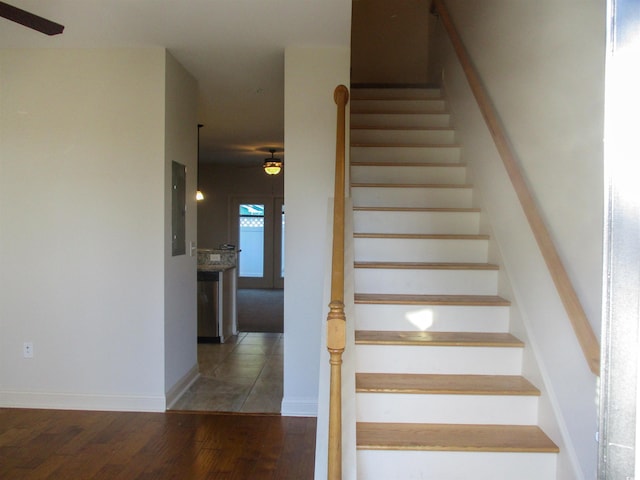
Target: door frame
278,242
619,397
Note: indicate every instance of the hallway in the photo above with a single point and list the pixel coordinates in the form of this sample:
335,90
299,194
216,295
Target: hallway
242,375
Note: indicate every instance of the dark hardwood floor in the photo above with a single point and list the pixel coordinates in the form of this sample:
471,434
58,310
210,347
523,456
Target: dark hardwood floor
55,444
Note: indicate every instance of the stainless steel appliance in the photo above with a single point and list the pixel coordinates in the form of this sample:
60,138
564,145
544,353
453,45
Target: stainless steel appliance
208,301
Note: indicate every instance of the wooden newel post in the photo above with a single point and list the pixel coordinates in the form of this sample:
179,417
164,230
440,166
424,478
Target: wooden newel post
336,319
336,322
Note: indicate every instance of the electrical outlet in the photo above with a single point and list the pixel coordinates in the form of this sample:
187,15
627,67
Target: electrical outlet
27,349
214,257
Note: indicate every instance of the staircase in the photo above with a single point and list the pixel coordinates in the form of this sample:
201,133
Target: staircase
439,391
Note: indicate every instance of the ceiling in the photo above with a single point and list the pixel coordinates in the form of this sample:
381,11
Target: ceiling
234,48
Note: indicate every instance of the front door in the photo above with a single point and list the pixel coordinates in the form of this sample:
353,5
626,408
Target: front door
259,229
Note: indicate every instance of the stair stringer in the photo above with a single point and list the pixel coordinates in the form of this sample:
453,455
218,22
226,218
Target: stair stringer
553,357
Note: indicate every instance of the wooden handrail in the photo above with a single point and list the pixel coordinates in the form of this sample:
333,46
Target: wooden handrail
336,319
570,300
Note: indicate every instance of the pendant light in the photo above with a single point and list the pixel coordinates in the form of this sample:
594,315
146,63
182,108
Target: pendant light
272,166
199,195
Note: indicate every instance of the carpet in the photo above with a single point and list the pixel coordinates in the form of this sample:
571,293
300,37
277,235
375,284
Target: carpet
261,310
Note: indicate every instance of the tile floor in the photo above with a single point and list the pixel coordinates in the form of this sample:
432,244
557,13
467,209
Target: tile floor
243,374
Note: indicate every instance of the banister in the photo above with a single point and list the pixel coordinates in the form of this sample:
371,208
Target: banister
579,321
336,319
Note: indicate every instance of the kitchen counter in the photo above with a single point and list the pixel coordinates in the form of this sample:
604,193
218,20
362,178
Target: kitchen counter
216,260
215,268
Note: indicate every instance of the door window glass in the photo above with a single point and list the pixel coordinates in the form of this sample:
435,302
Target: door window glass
251,240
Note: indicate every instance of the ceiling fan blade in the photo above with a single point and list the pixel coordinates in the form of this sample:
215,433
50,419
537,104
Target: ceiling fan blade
30,20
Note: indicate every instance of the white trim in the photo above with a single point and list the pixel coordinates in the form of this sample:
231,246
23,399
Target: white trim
181,386
299,407
81,401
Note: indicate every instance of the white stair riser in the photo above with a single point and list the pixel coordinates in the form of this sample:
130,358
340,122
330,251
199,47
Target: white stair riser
432,318
445,359
419,250
426,282
400,120
463,409
459,223
407,93
431,105
412,197
402,137
453,175
431,154
416,465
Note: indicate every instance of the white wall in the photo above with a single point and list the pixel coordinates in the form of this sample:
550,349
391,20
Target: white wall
311,75
389,41
82,228
181,140
542,64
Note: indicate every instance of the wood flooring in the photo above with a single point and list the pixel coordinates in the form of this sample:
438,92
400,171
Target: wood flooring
54,444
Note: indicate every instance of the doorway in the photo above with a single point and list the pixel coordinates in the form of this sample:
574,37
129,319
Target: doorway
245,374
258,223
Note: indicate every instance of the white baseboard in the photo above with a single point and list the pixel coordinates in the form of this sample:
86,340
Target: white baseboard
79,401
182,386
299,407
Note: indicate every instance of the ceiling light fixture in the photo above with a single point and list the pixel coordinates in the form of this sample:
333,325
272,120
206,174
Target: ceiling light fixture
199,194
272,166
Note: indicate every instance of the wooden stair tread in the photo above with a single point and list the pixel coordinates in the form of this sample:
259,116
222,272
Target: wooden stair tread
404,299
410,185
421,111
404,112
413,98
427,236
445,437
420,90
382,86
400,110
417,96
409,128
408,164
444,384
406,145
439,339
398,99
426,266
415,209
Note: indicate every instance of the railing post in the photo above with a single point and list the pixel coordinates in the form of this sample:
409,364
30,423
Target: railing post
336,319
